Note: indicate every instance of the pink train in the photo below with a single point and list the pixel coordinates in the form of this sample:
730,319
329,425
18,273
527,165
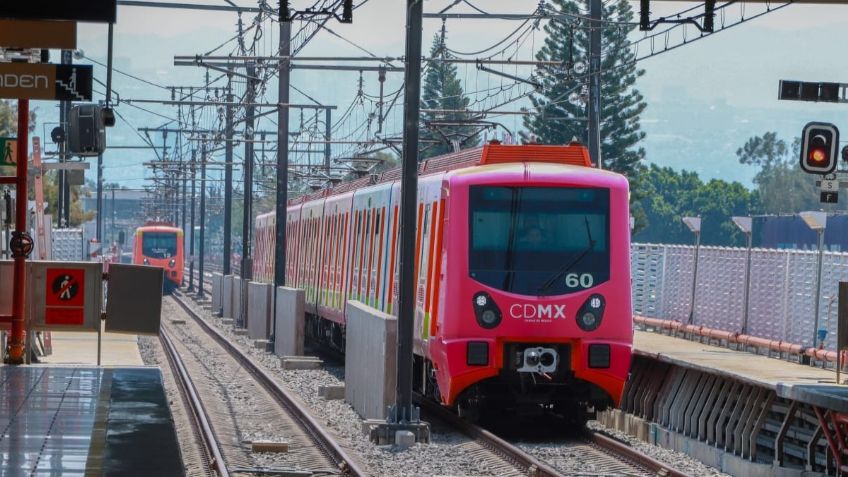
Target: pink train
522,266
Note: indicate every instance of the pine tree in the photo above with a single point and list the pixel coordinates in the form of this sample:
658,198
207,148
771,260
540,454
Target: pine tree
443,91
621,103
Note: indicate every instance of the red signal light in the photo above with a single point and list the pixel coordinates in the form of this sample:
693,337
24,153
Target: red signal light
819,142
818,155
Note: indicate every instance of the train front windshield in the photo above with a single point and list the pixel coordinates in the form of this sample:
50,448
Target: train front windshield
539,241
159,244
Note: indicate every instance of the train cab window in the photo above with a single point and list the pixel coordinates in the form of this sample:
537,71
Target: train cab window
539,241
159,244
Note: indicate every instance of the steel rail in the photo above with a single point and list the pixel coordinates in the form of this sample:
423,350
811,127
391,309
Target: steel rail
634,455
210,442
322,438
533,466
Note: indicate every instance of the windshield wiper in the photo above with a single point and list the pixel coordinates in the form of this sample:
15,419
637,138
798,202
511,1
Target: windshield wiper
562,271
510,273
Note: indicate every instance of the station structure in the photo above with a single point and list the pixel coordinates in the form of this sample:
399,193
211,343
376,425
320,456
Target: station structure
740,401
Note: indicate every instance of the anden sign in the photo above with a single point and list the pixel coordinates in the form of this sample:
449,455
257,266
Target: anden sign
101,11
45,81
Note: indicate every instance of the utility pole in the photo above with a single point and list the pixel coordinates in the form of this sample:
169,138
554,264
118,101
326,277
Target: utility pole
328,136
228,178
404,415
247,219
202,215
184,174
191,243
595,12
284,73
64,206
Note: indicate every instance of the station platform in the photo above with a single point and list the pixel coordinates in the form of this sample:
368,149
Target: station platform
757,369
86,421
81,348
743,413
791,380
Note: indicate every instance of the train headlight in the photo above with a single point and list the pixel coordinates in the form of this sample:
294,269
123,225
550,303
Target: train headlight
486,310
489,318
172,263
146,261
591,313
588,320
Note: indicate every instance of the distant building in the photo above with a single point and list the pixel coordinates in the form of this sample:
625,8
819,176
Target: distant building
791,232
123,211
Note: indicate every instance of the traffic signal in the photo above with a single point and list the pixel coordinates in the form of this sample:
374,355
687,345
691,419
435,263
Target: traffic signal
819,145
86,130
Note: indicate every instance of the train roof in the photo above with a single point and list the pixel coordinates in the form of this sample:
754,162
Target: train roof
158,228
574,154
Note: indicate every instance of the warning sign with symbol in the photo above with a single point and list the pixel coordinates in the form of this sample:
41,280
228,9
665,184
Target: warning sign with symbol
8,151
64,296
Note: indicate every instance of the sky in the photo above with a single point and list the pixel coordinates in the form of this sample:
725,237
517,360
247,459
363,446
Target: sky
704,99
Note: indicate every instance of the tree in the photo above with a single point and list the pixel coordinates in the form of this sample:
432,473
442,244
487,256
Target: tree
443,96
621,103
671,195
782,187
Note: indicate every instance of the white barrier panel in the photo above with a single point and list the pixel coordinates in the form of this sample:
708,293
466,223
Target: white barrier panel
782,289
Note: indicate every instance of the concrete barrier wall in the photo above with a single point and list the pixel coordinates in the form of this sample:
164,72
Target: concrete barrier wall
370,360
227,297
259,310
217,293
288,336
237,302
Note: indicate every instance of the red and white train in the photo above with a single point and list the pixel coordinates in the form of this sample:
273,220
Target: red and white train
522,266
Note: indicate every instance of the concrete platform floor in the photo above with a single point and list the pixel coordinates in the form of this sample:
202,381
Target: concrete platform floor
81,348
86,421
749,367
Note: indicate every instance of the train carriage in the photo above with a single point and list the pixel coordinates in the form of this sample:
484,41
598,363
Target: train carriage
161,245
522,273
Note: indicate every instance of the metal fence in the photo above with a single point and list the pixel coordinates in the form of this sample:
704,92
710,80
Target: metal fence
68,245
782,289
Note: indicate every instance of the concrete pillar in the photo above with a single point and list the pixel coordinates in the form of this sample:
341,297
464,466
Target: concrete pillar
259,310
227,297
370,360
217,293
288,335
237,302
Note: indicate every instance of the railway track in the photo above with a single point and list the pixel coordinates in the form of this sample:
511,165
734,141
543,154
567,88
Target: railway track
253,403
608,456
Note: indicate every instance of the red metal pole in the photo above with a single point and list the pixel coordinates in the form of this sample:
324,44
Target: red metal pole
16,350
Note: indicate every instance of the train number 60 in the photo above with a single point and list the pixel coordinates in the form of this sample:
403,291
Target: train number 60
585,280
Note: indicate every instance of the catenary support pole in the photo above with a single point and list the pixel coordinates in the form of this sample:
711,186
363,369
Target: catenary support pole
63,145
328,136
21,242
284,74
109,47
202,218
595,12
191,242
409,192
246,271
228,180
